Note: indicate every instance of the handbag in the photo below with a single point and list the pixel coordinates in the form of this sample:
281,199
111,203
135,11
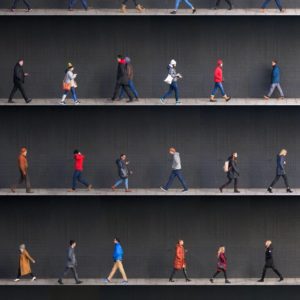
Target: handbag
169,79
66,86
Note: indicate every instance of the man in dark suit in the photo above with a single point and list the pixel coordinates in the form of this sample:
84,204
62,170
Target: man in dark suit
71,264
122,79
14,6
269,262
19,80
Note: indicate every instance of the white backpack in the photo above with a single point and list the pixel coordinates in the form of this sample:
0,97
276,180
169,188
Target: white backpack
226,166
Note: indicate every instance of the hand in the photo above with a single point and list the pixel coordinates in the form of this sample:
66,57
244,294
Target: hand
26,74
184,266
127,162
75,75
33,261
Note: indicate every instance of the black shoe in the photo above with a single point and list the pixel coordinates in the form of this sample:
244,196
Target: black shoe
194,10
173,12
171,280
188,280
221,190
270,190
236,191
28,100
227,281
211,280
29,192
230,8
280,279
260,280
60,281
130,100
289,190
215,8
11,101
78,282
136,99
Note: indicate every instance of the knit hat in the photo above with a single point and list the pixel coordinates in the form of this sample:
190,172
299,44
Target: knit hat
220,62
70,65
173,62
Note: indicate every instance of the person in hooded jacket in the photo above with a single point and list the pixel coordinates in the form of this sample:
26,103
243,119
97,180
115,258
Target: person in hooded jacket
118,263
123,171
218,79
232,173
221,265
174,76
269,262
275,81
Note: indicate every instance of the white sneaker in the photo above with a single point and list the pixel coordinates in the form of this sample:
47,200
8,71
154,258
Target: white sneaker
33,278
76,102
17,279
163,101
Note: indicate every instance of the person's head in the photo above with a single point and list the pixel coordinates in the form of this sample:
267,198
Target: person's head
21,61
70,67
123,156
221,250
283,152
120,57
173,63
172,150
23,151
22,247
234,155
274,62
76,151
220,63
72,243
180,242
268,243
116,240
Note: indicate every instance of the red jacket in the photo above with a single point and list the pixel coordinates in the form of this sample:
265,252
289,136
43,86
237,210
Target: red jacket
179,260
222,262
218,74
78,165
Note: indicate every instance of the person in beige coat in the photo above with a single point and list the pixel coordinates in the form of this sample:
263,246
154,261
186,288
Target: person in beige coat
24,264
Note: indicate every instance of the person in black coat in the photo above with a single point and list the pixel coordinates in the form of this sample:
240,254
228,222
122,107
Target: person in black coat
14,5
122,79
232,172
123,172
19,80
280,171
269,262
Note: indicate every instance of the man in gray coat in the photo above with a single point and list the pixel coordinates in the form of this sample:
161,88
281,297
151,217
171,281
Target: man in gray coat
71,263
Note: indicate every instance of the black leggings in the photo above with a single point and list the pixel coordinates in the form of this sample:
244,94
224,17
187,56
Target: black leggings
218,272
229,181
270,267
19,274
175,270
285,179
227,1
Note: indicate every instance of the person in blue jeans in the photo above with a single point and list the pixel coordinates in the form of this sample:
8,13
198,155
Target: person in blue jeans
173,87
278,4
73,2
129,68
176,172
123,171
187,2
14,5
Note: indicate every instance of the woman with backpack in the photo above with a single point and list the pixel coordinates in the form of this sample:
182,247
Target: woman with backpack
231,169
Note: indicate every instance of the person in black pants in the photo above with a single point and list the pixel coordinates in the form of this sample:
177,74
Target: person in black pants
280,172
19,80
221,265
14,6
232,172
269,262
122,79
227,1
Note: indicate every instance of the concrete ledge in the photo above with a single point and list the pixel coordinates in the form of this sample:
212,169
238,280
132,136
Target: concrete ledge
156,282
148,192
150,12
156,102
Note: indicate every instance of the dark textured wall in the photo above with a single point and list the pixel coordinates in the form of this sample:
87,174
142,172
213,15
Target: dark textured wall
149,229
247,46
147,3
204,136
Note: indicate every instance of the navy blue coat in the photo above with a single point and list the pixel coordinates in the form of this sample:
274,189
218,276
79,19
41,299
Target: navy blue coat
275,78
280,165
233,169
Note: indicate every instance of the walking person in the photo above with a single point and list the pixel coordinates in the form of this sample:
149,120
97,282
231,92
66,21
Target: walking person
137,6
221,265
275,81
71,264
73,2
227,1
269,262
130,81
232,172
118,263
122,164
187,2
172,79
122,79
69,84
266,3
179,261
78,169
218,79
176,172
23,169
280,171
19,81
27,4
24,264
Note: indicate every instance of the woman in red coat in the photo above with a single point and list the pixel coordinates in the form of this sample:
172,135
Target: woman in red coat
221,265
179,261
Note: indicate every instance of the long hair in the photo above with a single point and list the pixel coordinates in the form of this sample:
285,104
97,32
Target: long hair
220,250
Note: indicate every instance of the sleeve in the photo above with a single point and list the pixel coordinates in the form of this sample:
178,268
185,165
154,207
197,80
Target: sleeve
18,73
22,164
281,162
28,256
177,159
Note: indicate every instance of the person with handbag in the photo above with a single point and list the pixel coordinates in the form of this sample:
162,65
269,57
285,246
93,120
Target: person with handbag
73,2
179,261
69,84
171,80
221,265
14,5
232,172
123,171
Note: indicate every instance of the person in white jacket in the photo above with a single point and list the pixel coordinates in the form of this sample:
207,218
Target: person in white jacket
69,84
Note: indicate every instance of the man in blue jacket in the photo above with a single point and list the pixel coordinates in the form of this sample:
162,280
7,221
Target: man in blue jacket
275,81
118,265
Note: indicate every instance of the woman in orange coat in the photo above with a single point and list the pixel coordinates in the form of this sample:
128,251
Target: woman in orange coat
179,261
24,264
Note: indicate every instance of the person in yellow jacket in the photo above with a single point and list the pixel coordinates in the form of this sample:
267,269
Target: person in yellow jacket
24,264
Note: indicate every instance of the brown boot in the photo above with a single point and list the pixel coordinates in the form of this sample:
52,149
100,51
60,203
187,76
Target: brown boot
227,98
90,187
212,98
140,8
113,188
123,9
